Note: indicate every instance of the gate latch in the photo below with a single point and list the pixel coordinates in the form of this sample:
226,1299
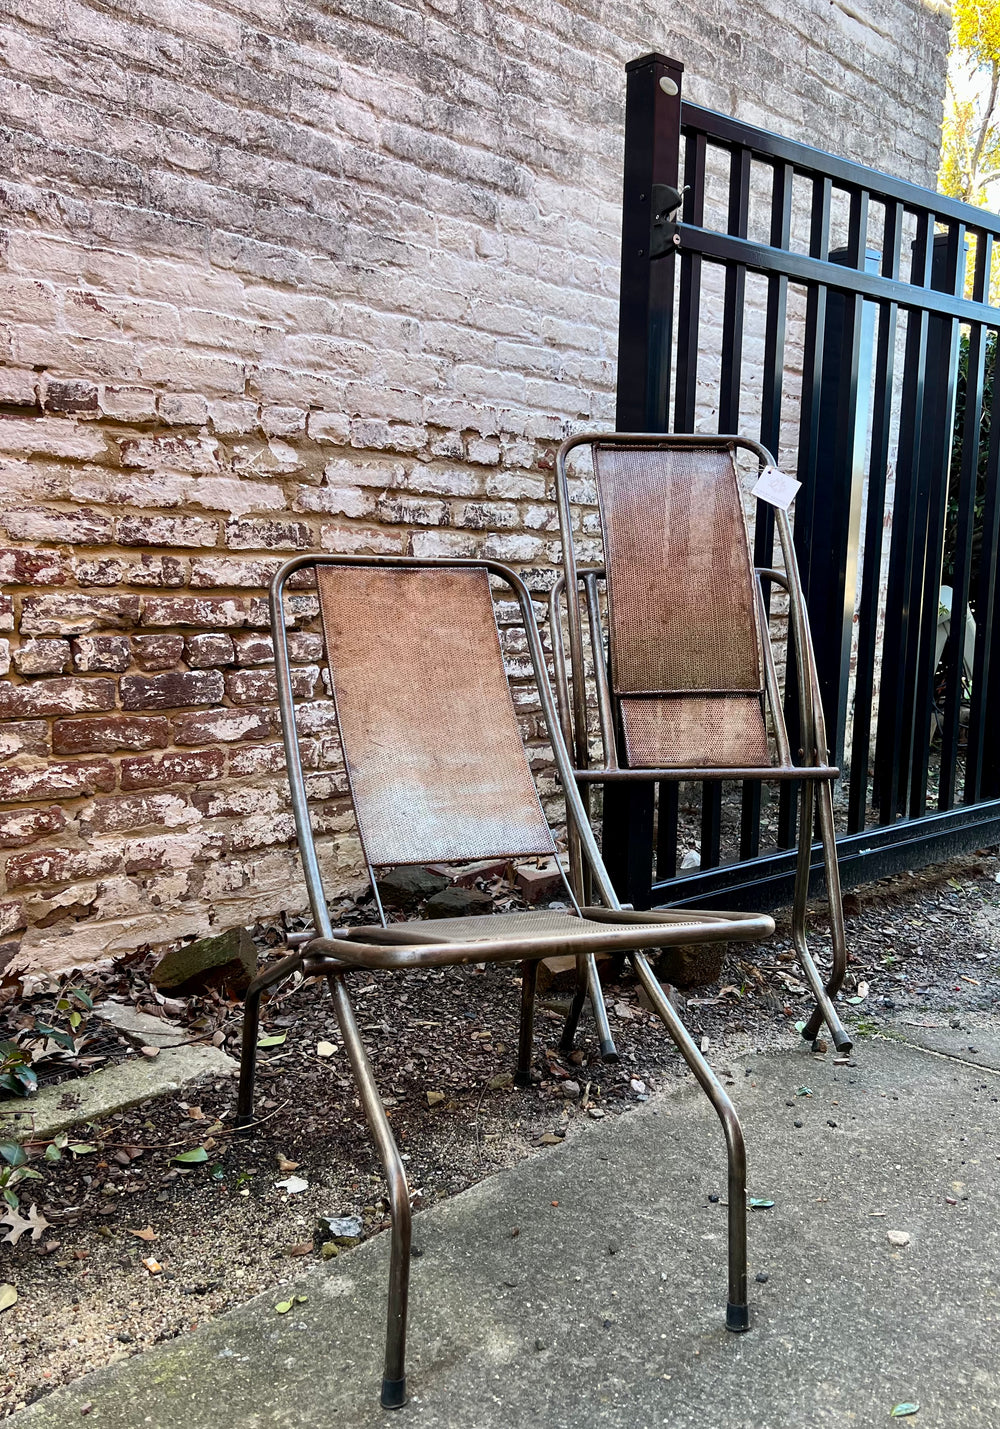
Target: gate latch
663,236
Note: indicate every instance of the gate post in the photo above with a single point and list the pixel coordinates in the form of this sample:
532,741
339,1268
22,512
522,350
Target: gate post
645,335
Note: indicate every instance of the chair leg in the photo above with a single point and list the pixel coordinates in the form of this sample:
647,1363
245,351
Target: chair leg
576,1007
529,978
824,1011
838,935
251,1022
588,984
394,1376
737,1308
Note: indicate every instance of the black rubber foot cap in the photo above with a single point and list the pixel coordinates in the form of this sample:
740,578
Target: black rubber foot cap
737,1318
522,1079
611,1055
243,1123
393,1393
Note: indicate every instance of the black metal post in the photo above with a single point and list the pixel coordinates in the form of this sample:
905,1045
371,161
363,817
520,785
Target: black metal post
645,336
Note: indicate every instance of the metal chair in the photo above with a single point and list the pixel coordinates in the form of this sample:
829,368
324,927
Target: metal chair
438,772
690,675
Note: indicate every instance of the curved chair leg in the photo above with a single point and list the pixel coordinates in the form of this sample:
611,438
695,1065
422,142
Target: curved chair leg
838,936
737,1308
251,1020
394,1376
529,977
825,1010
589,985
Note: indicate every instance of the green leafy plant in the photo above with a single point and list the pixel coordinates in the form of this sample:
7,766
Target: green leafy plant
13,1170
61,1036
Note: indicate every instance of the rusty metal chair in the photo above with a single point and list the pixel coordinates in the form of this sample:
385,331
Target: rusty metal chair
689,677
438,772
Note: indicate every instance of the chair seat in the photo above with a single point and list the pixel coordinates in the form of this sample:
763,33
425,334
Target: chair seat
492,927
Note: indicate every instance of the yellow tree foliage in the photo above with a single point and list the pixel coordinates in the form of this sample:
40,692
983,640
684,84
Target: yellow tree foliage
970,136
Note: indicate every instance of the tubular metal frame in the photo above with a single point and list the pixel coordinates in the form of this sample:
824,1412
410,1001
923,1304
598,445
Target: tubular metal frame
815,774
333,954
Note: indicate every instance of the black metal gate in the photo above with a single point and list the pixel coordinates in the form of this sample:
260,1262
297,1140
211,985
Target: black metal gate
842,316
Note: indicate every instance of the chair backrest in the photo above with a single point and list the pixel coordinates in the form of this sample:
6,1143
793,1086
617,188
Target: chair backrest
431,743
686,662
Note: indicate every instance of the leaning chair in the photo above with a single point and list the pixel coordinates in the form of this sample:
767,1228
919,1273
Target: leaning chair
689,677
438,772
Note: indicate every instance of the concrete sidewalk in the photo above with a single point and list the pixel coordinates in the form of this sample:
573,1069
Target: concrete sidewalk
607,1306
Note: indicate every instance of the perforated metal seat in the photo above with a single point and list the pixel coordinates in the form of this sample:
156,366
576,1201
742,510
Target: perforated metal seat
438,773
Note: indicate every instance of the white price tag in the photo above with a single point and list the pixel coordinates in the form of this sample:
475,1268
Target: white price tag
776,487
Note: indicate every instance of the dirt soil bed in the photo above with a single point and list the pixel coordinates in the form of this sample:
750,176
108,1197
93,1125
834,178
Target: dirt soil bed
91,1290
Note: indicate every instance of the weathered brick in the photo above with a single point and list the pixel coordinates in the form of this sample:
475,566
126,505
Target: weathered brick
157,652
208,571
184,767
77,613
24,737
11,916
126,812
108,734
61,865
20,827
4,657
56,697
146,570
6,613
101,652
59,394
252,687
42,657
212,648
304,645
55,780
263,535
20,566
172,690
224,726
128,404
76,528
50,436
254,649
256,759
166,531
201,611
197,455
183,408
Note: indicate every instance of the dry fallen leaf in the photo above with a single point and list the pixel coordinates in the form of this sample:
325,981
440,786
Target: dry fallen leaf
150,1052
147,1234
34,1222
8,1297
196,1113
303,1248
285,1165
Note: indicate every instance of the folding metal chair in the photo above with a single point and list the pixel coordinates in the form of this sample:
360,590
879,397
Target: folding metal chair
690,673
438,772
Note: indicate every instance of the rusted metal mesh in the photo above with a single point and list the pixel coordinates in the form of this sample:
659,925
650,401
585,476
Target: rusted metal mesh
695,732
681,607
431,743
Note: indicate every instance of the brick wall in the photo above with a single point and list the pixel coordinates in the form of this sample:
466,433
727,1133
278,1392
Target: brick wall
310,275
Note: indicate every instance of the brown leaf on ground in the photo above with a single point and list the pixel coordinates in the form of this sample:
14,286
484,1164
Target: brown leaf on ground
147,1234
303,1248
285,1165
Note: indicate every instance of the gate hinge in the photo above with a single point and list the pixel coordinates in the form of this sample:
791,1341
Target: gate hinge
663,235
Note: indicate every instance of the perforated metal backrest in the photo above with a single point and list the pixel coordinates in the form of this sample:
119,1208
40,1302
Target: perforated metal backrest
686,661
680,582
431,743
